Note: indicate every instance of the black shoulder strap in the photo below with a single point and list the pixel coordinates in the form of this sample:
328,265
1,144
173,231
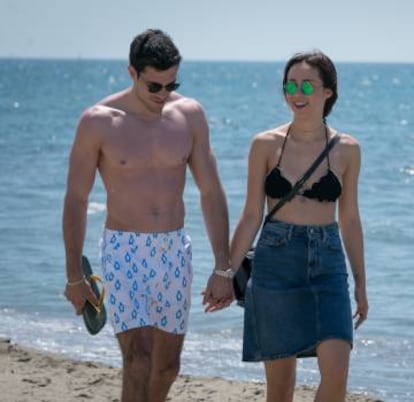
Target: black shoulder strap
303,179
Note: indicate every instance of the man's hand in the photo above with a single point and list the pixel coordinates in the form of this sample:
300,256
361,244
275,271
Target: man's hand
218,294
78,295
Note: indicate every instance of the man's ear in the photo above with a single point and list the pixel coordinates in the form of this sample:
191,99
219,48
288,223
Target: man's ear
132,72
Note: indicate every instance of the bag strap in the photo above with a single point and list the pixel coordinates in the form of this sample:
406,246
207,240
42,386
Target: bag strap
303,179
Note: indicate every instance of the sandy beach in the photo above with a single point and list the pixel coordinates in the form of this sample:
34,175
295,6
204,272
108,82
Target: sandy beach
31,375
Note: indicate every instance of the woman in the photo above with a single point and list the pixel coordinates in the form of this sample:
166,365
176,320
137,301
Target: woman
297,300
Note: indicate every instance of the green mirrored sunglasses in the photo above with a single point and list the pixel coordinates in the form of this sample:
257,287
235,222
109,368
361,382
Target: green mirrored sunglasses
306,87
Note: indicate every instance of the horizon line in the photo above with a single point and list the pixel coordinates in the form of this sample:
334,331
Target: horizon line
191,60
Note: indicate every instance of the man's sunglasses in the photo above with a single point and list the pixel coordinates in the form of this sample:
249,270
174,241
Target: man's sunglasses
306,87
155,87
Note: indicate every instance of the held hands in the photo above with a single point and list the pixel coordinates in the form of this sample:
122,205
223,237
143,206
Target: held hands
218,294
78,293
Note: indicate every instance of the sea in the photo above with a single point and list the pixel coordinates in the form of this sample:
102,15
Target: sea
40,104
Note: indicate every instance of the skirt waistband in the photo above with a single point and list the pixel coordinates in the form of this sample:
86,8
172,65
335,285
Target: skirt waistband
309,230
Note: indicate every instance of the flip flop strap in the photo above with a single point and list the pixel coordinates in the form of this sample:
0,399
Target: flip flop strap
98,307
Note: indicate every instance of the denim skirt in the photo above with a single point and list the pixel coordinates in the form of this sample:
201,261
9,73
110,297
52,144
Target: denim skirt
298,294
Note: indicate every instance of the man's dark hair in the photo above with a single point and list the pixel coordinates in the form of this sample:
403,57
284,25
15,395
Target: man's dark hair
153,48
326,70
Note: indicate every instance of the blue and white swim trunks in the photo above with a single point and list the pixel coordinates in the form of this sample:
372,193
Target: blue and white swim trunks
148,279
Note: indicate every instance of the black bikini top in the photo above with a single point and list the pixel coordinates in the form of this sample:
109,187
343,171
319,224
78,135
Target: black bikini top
327,189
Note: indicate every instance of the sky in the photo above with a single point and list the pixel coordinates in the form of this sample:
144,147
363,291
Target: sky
255,30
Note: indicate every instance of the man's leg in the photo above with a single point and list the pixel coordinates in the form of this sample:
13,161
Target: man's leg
136,348
165,364
151,362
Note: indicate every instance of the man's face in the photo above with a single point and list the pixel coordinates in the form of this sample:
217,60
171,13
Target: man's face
153,87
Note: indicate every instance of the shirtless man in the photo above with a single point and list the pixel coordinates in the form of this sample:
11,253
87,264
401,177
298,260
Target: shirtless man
141,141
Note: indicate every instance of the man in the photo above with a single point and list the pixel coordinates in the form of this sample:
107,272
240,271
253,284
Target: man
141,141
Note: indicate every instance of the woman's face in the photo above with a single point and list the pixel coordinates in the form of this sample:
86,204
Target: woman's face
304,90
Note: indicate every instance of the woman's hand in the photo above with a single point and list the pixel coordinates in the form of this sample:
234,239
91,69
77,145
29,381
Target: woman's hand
218,294
361,311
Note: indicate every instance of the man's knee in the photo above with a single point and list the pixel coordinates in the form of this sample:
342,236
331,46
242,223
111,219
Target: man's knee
136,353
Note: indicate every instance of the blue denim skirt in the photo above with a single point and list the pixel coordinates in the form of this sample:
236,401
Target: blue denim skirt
298,293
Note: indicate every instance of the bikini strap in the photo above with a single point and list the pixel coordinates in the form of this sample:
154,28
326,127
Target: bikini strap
283,147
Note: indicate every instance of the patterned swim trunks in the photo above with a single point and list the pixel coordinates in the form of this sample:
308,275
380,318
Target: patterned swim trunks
148,279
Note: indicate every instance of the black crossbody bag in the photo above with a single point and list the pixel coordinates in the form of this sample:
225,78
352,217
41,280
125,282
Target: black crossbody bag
243,273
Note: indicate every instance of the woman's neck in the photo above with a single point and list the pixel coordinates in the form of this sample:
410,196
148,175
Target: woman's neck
307,131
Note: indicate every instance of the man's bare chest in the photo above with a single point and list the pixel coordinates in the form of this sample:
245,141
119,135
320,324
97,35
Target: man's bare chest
143,146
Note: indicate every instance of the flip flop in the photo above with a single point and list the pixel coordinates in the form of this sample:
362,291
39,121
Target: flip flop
93,316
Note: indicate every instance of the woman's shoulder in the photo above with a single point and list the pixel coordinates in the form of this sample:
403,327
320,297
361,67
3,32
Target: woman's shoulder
265,143
348,141
346,138
348,147
271,136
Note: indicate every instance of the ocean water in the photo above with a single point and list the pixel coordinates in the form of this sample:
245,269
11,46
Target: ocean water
40,103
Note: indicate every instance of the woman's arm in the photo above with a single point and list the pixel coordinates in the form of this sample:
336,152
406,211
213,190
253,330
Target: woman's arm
350,225
252,215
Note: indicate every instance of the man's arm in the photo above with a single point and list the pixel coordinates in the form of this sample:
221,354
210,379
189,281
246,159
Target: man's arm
83,162
213,201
